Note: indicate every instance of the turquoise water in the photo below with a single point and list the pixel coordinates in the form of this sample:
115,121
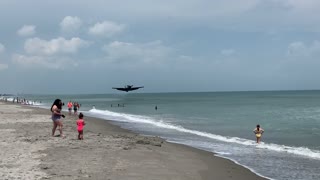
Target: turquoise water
222,122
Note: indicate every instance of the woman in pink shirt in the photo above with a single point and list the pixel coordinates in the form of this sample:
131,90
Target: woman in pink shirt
80,123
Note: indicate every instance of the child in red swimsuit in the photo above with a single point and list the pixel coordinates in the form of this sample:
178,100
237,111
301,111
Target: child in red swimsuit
80,123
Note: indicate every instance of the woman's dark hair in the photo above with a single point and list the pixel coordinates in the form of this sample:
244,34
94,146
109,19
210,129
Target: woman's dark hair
58,103
80,116
258,127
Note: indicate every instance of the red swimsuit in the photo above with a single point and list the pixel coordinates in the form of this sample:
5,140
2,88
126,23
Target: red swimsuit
80,123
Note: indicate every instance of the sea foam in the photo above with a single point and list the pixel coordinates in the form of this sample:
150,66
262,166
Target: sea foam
123,117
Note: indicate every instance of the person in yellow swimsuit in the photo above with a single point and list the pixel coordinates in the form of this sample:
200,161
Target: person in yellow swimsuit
258,132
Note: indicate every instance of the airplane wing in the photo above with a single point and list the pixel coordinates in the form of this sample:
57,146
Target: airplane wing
120,89
135,88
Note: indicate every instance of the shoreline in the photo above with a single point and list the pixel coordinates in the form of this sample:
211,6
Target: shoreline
162,159
113,123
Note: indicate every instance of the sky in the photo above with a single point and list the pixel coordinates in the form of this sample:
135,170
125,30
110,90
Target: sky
82,46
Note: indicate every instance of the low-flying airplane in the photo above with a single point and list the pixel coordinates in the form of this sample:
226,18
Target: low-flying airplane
128,88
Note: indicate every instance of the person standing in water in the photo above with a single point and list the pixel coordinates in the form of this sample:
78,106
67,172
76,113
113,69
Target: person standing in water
258,132
70,107
75,108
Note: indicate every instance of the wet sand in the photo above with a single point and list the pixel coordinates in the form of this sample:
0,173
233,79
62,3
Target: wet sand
28,151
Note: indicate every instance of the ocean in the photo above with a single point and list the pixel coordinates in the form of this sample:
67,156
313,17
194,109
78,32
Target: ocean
221,122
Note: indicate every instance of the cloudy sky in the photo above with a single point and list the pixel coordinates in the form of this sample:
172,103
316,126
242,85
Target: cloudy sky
167,46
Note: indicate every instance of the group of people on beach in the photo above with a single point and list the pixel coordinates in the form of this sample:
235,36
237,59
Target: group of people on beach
57,116
18,100
57,122
76,107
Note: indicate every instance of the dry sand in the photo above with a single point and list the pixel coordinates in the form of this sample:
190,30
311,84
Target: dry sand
107,152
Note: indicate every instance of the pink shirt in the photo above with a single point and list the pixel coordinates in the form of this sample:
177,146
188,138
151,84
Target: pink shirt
80,123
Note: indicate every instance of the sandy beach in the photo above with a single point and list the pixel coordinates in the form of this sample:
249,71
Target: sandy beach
28,151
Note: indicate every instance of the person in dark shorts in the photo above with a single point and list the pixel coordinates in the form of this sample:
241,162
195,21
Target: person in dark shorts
75,108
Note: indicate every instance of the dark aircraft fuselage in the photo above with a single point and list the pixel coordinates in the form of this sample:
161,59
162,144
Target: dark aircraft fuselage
128,88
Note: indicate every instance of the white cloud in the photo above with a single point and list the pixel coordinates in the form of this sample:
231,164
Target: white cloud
106,29
227,52
3,66
301,49
43,61
236,15
70,24
27,30
300,6
54,46
297,48
2,48
178,8
184,59
151,52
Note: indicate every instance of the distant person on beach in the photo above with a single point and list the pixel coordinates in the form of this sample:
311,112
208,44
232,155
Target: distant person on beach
70,107
80,124
75,108
56,116
156,108
258,132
